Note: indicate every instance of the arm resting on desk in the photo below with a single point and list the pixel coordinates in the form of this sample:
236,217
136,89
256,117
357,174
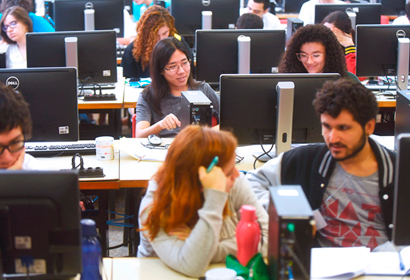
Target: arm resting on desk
192,256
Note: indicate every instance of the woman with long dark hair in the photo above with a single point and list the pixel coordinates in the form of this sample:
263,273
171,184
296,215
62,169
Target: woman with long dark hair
159,105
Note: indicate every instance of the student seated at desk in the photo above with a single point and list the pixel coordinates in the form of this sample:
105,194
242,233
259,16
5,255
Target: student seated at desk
15,129
249,21
40,24
402,20
188,216
156,24
15,23
349,180
159,105
314,49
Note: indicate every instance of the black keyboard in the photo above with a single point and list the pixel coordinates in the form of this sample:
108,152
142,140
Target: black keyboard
50,149
97,86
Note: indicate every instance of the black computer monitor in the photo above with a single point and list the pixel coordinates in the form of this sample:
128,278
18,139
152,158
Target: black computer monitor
366,13
376,49
393,7
401,209
52,97
292,6
188,14
97,53
40,220
108,14
249,106
217,52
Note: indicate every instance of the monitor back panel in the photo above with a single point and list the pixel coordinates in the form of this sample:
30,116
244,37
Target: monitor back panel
217,52
365,13
97,53
52,97
109,14
188,14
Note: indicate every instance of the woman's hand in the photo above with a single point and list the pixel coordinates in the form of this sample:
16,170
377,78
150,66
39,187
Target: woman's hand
216,179
181,232
169,122
344,39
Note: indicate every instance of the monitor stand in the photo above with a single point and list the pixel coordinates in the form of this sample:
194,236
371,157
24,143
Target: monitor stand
206,20
284,120
89,17
402,63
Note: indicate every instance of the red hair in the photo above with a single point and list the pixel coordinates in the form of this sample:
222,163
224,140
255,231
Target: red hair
179,195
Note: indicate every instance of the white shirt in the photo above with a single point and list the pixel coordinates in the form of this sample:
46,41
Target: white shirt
130,29
307,11
270,21
31,163
14,58
401,20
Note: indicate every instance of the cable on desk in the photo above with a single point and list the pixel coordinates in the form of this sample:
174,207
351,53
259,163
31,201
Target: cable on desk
263,149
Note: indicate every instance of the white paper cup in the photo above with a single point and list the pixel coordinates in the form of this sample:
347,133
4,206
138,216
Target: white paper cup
222,273
103,147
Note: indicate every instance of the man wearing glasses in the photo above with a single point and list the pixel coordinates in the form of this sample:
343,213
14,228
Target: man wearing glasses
15,127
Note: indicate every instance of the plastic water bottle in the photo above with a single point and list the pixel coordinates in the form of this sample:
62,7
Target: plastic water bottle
91,248
248,234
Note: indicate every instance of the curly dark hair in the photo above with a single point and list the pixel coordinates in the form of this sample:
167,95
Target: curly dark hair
147,30
249,21
26,4
344,94
21,15
341,21
314,33
14,111
159,88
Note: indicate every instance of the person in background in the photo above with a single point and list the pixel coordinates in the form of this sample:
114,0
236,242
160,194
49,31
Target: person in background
349,179
129,30
340,24
249,21
39,24
261,8
139,7
403,20
156,24
15,129
188,216
314,49
307,11
159,105
15,23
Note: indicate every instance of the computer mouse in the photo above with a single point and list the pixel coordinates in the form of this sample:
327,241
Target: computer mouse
154,140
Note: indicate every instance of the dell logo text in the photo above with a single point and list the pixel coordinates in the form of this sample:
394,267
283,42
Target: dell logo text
206,2
13,82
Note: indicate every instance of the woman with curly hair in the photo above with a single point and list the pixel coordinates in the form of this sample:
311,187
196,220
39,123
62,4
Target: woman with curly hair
155,24
159,105
188,215
314,49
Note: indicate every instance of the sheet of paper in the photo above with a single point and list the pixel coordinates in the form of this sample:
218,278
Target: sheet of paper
388,263
338,263
134,148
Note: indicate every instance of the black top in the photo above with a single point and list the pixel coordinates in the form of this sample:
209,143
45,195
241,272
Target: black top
133,69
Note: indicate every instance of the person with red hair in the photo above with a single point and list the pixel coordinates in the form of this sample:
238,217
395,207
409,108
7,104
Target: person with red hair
188,216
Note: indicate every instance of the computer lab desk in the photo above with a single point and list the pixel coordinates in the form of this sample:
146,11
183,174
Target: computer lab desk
111,107
98,186
155,269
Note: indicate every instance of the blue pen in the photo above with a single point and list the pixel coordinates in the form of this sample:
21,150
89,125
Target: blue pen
401,261
213,163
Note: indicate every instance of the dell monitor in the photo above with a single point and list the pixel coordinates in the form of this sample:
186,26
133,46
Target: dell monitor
377,49
52,97
73,15
292,6
96,53
217,52
188,14
366,13
249,106
401,208
39,220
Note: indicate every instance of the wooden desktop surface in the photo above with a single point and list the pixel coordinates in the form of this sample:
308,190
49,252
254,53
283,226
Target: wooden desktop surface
154,268
109,104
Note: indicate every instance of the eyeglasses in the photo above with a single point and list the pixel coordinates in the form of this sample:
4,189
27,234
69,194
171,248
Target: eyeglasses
13,147
12,25
304,57
174,68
